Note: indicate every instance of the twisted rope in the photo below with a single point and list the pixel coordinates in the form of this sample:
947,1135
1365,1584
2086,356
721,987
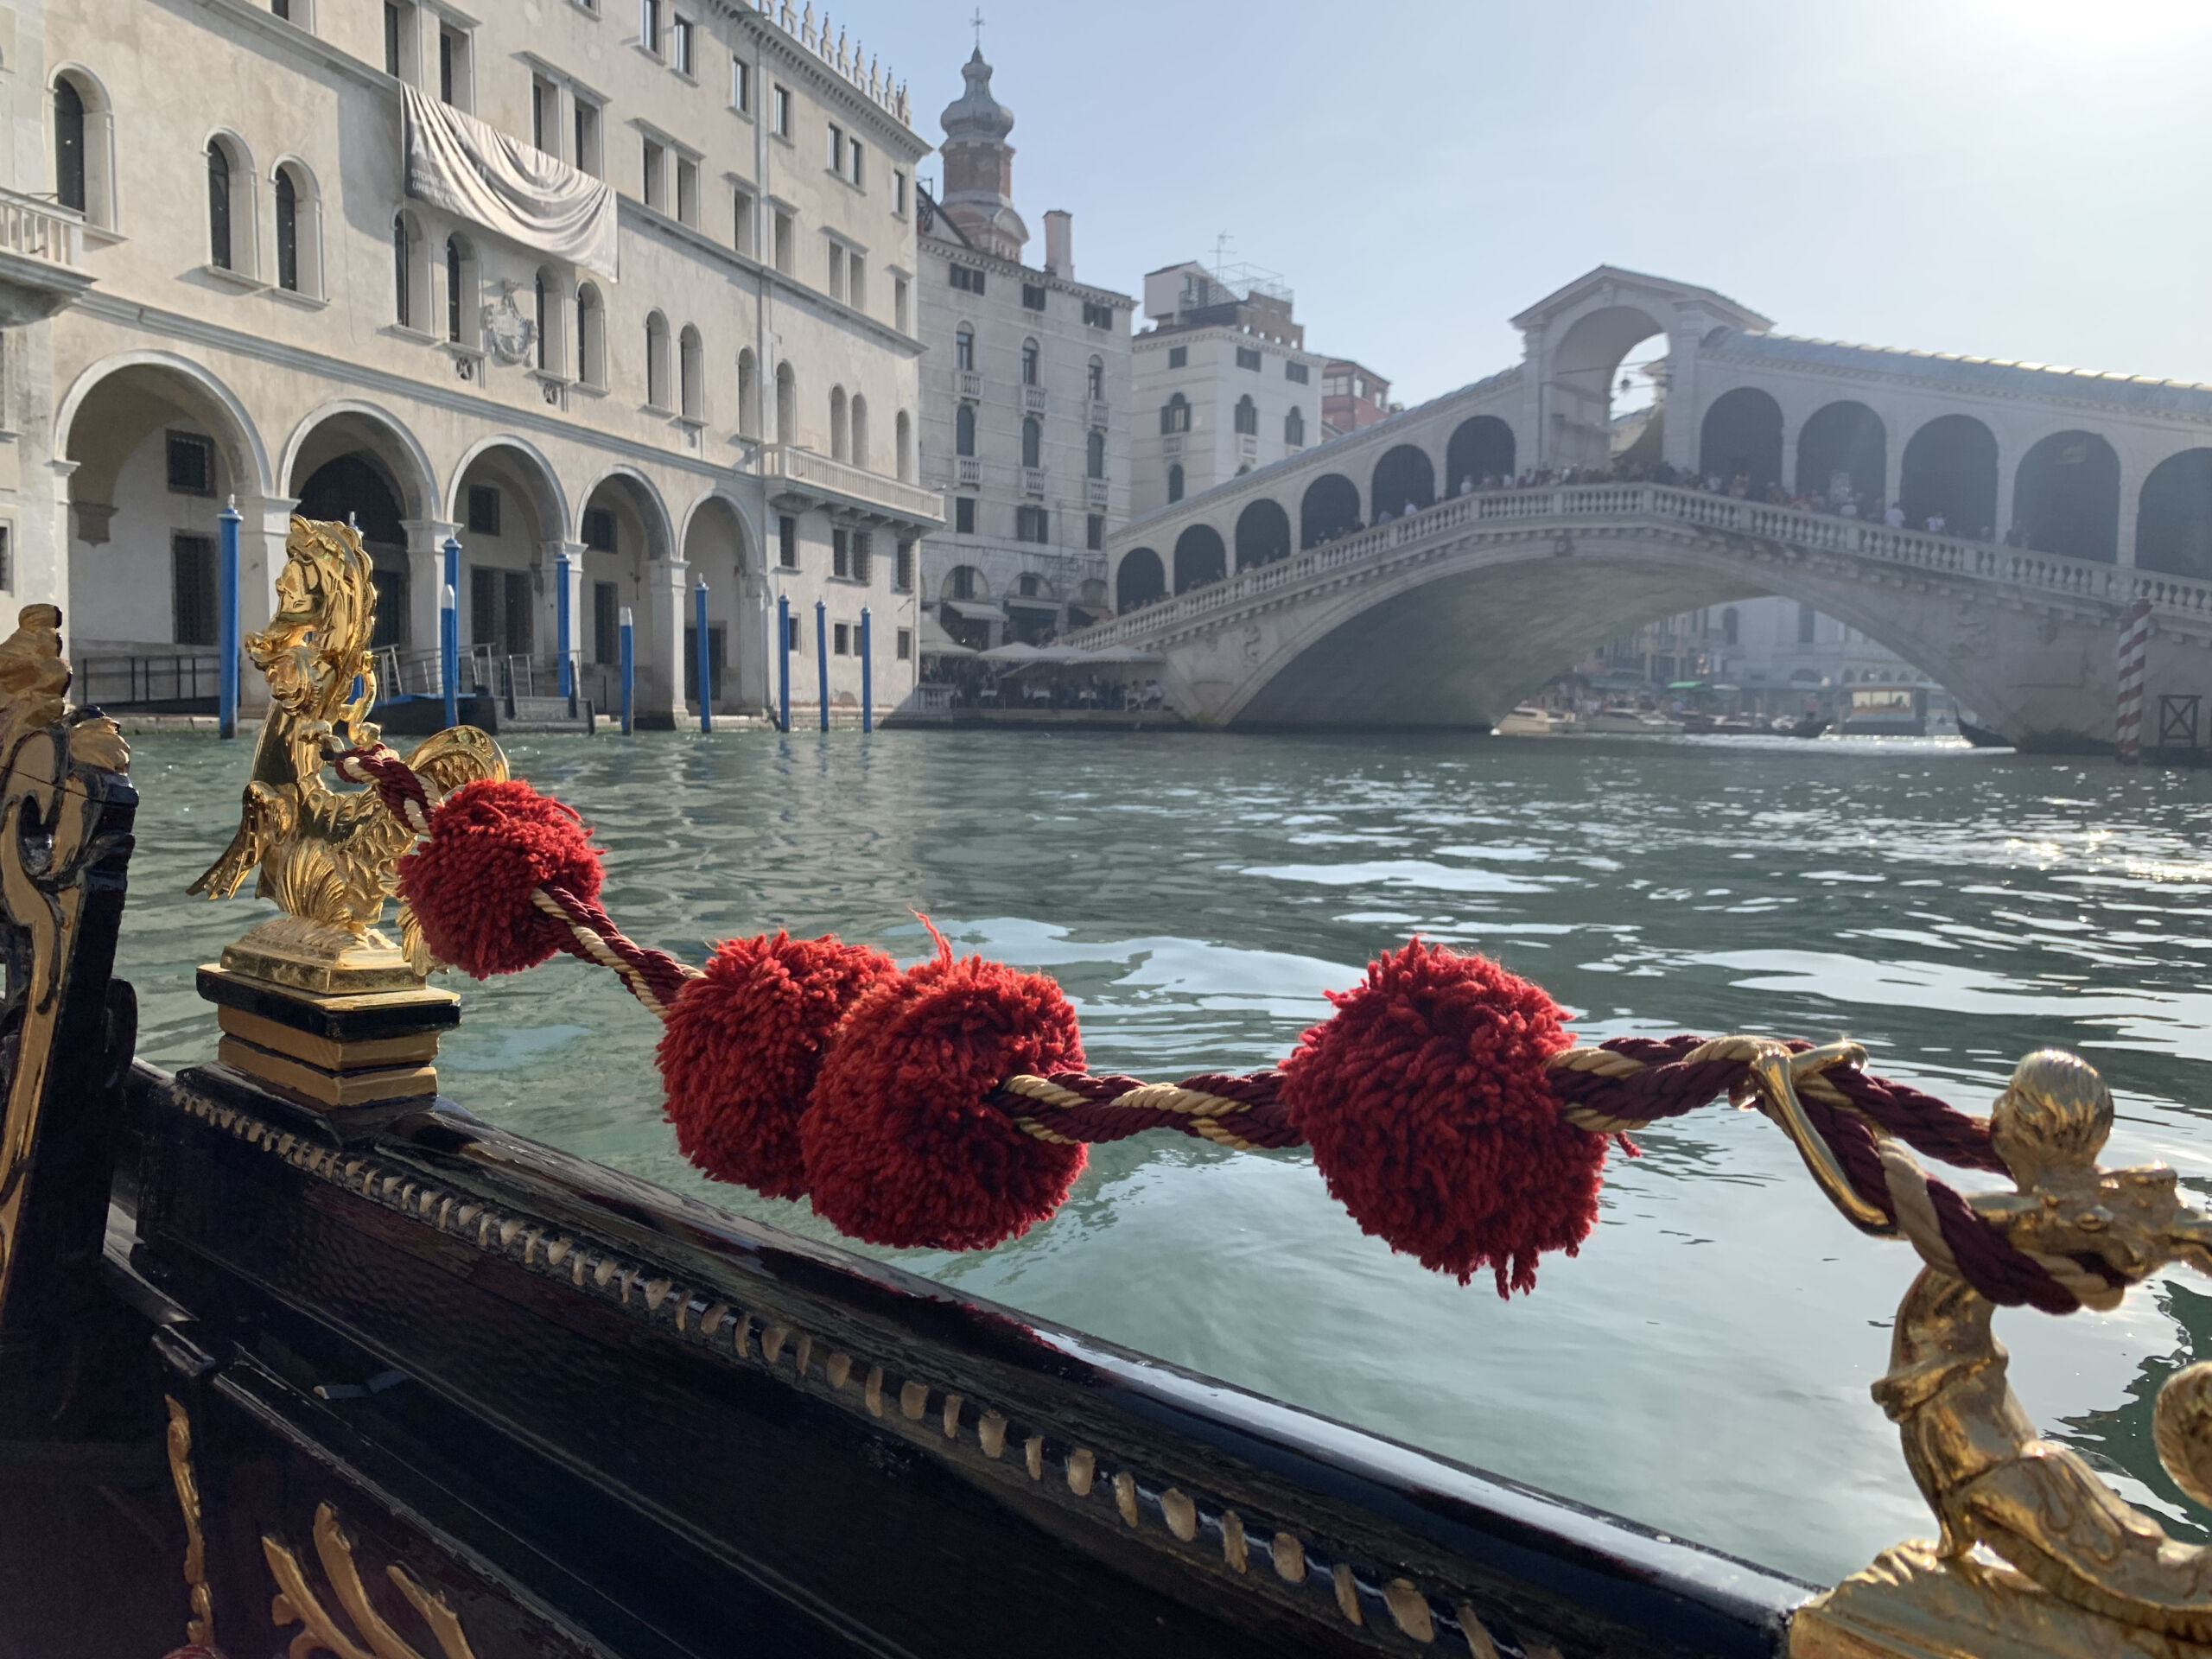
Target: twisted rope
1243,1113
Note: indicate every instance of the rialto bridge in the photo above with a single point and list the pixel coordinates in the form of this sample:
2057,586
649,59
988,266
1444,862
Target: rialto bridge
1397,577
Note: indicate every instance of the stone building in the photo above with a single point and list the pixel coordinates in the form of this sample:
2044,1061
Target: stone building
1025,399
1223,382
1353,396
258,296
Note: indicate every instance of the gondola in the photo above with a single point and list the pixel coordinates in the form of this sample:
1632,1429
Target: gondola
1982,737
297,1354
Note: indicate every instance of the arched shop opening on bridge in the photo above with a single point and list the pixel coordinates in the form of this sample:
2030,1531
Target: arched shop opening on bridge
1262,535
1200,559
1843,455
2066,497
1405,481
1740,442
1140,581
1331,508
2173,525
1479,456
1950,475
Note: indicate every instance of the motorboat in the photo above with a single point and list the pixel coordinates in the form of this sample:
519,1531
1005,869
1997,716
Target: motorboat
1614,721
1527,720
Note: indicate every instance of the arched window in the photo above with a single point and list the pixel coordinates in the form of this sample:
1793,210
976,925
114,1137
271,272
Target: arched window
1175,416
1033,443
749,394
904,438
1294,428
461,291
1174,483
1248,416
963,349
1095,457
72,171
546,294
860,432
402,270
839,439
656,363
287,233
591,336
786,403
691,366
963,430
299,230
1097,381
219,240
1031,358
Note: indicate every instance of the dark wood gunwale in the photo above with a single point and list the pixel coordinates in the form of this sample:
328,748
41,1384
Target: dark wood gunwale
1401,1539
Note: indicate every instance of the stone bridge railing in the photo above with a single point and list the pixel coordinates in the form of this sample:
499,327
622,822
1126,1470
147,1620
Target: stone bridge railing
1722,515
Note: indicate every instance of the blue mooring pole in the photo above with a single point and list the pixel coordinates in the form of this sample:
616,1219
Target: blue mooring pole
867,671
822,658
629,673
564,627
226,686
706,665
784,660
449,653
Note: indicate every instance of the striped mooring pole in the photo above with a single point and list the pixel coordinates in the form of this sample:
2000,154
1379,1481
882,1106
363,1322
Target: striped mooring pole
2135,652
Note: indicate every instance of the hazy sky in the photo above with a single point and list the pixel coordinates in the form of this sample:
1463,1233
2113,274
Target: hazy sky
2026,178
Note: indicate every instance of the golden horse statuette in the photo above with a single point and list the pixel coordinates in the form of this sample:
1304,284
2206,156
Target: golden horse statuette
326,855
2037,1555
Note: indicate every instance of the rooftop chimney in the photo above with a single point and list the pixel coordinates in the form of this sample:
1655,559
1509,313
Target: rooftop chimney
1059,244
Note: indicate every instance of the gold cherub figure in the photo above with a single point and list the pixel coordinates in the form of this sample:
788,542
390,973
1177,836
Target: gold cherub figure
326,855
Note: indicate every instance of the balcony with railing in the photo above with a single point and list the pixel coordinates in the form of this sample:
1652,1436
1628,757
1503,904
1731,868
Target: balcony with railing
970,385
806,478
1033,400
41,257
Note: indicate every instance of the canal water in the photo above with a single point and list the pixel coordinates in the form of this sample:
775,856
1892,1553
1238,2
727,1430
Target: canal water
1703,1365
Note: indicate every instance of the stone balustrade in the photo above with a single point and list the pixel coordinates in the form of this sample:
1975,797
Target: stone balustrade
808,472
40,229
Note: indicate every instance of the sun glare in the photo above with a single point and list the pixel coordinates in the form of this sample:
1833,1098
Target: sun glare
2114,23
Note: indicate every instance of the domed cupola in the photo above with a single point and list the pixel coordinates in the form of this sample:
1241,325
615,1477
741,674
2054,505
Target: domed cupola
979,167
975,114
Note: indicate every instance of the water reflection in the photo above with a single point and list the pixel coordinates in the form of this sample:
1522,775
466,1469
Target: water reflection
1704,1365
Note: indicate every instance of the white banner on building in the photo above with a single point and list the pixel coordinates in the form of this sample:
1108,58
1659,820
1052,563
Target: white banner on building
471,168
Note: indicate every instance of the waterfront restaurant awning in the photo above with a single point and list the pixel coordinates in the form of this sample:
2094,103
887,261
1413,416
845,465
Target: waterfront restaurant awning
1013,651
1686,685
976,610
936,642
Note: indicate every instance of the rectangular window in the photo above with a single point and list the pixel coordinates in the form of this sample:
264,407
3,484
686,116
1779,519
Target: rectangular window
1032,296
837,271
1178,357
1248,358
716,643
741,85
903,571
841,639
787,542
897,193
687,190
599,528
391,40
898,303
445,65
1033,524
545,114
7,557
837,149
857,172
454,69
784,243
863,554
483,606
784,111
191,587
653,180
905,644
856,282
967,278
1094,532
516,635
1095,315
839,544
679,45
605,623
1807,616
963,515
741,219
795,640
587,158
483,510
1296,372
649,25
192,464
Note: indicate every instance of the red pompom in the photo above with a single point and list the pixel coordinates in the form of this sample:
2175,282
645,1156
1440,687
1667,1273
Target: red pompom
742,1047
469,884
902,1145
1425,1103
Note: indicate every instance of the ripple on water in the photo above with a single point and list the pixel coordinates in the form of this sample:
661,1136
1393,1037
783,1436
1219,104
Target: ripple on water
1197,894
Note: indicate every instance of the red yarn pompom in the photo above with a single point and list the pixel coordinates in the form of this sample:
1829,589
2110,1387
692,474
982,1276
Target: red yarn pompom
902,1145
1425,1103
469,884
742,1047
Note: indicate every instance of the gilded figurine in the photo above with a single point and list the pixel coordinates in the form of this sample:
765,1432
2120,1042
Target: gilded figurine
2035,1554
327,856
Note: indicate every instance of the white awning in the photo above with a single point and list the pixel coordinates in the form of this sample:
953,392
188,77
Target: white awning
936,642
471,168
976,610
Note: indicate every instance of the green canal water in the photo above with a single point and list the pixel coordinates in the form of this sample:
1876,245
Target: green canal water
1703,1365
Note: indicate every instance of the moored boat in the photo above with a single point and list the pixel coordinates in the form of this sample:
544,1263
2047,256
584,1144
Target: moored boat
1527,720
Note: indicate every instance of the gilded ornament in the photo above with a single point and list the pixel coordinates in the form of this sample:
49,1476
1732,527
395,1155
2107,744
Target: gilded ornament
326,856
200,1628
371,1637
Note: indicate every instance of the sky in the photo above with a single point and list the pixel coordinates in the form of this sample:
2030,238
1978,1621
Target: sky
2019,179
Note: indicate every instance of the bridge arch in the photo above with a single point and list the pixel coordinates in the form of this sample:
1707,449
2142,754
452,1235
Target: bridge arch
1579,398
1200,558
2066,497
1139,580
1481,447
1262,534
1843,446
2173,521
1330,510
1405,481
1741,437
1949,472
